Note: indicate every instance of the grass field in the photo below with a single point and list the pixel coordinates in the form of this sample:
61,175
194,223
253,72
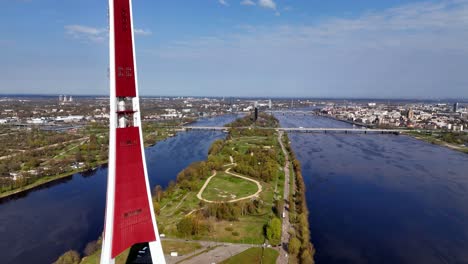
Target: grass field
224,187
182,248
254,255
175,207
96,257
241,144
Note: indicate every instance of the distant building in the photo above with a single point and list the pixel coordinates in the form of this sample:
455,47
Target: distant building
410,114
455,107
256,111
269,104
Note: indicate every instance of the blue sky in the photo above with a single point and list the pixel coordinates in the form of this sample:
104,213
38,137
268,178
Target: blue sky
314,48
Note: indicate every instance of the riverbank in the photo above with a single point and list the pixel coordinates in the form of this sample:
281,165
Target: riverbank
429,138
45,180
300,246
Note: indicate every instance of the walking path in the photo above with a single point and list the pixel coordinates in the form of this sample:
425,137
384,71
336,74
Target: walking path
227,171
283,256
211,252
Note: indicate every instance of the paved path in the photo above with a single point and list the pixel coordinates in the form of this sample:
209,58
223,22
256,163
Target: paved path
283,257
219,252
227,171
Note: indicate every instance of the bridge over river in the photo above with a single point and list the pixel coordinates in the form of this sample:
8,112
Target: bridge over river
309,129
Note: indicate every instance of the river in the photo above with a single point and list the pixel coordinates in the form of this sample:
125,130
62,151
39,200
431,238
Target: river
40,225
372,198
381,198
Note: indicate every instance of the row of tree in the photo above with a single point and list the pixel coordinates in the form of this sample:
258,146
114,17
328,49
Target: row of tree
299,243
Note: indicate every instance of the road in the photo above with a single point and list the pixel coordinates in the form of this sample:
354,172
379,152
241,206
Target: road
283,257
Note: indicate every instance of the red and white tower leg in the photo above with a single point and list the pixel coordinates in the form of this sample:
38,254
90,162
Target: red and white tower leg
130,217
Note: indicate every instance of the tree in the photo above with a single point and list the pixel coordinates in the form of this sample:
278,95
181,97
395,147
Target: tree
294,246
79,156
69,257
158,192
185,226
273,231
306,257
91,247
279,207
157,208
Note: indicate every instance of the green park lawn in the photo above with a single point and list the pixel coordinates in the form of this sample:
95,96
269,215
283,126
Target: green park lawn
225,187
182,248
254,255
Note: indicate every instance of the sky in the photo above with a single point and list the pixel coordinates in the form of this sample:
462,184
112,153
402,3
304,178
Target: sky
265,48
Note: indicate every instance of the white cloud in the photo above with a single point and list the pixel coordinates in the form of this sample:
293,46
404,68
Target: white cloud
248,3
223,2
87,33
95,34
142,32
267,4
415,49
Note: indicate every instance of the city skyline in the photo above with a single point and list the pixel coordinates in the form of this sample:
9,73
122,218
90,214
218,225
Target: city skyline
389,49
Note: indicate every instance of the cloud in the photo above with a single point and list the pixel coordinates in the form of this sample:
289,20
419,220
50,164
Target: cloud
142,32
267,4
416,49
248,3
223,2
87,33
95,34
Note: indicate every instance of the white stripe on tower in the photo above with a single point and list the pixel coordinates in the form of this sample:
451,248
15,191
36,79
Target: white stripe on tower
157,255
106,254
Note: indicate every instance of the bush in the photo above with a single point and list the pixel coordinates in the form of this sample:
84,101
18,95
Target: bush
273,231
230,229
294,246
235,233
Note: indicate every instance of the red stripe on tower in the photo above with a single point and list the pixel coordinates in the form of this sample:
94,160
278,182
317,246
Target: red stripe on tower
124,67
132,216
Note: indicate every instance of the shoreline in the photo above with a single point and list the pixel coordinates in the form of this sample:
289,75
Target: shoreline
438,142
